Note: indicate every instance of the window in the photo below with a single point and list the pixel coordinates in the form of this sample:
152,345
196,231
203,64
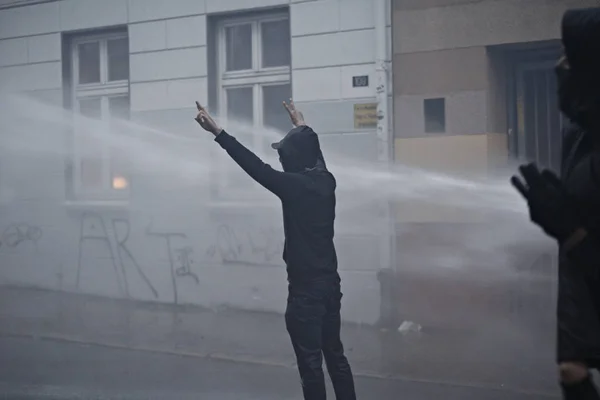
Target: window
253,75
100,96
435,115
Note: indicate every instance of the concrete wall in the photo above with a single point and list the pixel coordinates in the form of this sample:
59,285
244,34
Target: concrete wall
440,49
444,49
171,242
336,45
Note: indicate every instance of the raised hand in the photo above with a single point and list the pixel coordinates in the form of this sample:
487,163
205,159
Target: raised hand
550,206
295,115
206,121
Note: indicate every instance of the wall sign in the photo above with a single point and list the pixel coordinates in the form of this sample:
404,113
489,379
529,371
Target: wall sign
365,116
360,81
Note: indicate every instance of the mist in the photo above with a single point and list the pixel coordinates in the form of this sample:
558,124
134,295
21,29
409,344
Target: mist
167,243
124,224
188,162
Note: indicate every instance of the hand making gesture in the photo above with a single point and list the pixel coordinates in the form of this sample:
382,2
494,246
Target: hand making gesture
295,115
206,121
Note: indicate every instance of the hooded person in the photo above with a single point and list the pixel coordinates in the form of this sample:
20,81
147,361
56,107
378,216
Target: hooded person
568,208
307,193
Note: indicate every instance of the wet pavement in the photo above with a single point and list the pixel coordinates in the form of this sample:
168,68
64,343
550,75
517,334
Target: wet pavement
48,369
503,359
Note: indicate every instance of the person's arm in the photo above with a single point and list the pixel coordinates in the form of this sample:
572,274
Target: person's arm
583,248
283,184
583,245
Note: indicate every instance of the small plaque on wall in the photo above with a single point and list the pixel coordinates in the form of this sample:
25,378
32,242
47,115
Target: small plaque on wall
365,116
360,81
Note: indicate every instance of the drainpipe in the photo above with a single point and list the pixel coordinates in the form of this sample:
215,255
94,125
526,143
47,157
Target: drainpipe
381,70
387,276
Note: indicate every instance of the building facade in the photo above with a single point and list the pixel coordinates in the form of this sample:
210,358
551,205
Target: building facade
474,93
473,81
158,214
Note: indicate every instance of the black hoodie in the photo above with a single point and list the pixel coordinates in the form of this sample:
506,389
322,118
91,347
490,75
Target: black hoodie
307,193
580,164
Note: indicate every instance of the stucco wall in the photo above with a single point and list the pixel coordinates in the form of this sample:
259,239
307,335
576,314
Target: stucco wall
172,242
440,49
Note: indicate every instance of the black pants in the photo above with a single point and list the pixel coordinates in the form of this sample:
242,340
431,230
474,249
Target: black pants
313,321
578,314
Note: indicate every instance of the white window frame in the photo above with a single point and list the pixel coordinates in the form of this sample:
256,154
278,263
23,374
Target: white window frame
103,90
257,78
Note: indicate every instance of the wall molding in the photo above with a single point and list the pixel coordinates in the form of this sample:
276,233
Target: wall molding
6,4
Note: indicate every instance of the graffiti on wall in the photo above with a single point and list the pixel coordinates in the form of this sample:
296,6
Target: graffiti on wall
180,259
18,234
95,228
185,261
234,245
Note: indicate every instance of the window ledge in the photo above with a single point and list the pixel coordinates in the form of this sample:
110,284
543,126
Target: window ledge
23,3
242,204
98,205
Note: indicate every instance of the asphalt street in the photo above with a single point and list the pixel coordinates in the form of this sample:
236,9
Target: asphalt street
46,369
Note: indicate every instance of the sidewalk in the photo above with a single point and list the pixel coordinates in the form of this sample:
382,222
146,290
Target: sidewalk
510,361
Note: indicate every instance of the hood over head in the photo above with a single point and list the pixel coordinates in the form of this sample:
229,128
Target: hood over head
300,150
579,76
581,40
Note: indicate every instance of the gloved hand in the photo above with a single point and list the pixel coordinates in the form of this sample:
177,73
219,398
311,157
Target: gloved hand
549,204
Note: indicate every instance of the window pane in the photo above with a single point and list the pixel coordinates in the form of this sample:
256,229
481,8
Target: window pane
89,62
91,108
435,115
91,172
238,47
274,115
118,59
240,107
240,104
118,108
275,43
91,159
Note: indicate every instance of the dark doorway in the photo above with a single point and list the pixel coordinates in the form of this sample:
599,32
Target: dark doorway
535,123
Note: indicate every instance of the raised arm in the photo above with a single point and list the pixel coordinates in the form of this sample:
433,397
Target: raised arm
284,185
553,210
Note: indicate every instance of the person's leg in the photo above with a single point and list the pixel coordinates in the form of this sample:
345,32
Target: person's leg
303,319
578,338
333,350
576,382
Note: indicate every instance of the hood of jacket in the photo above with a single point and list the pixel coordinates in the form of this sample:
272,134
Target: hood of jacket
300,151
580,29
579,78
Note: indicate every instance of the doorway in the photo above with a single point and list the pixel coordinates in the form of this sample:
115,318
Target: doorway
535,122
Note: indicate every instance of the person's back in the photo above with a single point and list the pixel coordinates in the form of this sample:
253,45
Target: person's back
313,312
308,220
307,193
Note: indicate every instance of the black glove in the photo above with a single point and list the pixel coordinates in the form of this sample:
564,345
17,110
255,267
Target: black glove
549,204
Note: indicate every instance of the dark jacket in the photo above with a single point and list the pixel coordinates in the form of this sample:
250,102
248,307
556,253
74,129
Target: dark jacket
578,306
307,193
579,95
580,173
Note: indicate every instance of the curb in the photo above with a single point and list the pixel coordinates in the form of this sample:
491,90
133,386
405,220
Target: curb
246,360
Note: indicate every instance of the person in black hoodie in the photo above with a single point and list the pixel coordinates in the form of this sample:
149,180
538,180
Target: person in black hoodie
568,208
307,192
